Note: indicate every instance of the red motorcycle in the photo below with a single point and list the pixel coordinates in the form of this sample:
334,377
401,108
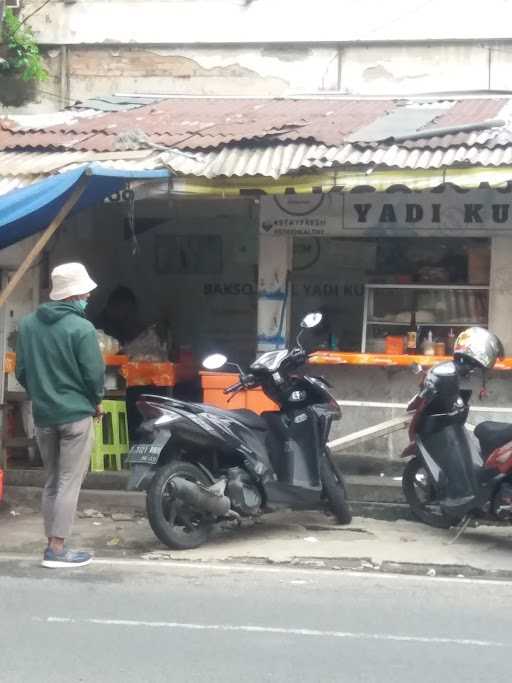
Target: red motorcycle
454,473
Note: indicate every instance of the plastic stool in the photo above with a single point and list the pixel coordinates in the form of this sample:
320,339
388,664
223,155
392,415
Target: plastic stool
111,437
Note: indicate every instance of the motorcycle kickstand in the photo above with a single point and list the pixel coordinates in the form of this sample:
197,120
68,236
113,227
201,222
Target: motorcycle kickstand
460,529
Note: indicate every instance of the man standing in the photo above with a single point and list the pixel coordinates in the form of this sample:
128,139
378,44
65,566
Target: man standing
59,362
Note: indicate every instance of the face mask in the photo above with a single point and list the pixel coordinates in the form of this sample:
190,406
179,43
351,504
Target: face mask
82,304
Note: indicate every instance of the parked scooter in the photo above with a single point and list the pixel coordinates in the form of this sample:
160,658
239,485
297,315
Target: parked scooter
456,474
201,465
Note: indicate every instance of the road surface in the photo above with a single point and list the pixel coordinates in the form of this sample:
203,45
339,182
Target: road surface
140,621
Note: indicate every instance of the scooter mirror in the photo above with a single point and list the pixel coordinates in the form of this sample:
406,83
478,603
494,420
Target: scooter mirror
417,369
311,320
215,361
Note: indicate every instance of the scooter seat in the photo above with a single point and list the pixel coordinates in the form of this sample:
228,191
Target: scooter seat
492,435
250,419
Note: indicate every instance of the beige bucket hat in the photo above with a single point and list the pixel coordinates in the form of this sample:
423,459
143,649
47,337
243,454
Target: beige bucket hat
70,279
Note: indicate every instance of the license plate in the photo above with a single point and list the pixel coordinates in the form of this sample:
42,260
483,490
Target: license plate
147,453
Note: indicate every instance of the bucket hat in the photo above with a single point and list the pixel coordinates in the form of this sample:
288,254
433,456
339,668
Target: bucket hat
70,279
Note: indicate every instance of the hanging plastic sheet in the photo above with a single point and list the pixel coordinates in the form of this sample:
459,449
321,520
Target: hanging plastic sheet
31,209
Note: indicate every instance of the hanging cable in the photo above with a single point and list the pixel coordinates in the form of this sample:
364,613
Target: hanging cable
130,194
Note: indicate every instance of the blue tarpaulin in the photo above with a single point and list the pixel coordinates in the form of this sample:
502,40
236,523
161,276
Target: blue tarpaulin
31,209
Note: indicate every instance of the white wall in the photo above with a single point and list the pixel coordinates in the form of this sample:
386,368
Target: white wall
269,21
83,72
268,48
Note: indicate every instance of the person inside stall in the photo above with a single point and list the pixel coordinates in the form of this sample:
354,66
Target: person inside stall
140,341
120,317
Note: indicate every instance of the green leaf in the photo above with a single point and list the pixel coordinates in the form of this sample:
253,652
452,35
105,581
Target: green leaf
23,54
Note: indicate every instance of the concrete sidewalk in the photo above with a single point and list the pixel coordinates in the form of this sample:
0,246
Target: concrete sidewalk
303,539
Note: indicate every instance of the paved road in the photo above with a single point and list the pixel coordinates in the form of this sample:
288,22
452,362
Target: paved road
178,622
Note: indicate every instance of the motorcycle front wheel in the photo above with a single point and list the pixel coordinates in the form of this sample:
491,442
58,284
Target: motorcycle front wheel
420,493
335,490
175,525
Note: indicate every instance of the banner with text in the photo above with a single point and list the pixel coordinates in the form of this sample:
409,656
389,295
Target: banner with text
450,212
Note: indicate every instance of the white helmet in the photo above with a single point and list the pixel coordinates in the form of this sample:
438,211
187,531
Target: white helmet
478,346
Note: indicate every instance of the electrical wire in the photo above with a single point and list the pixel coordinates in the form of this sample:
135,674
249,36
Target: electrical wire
29,16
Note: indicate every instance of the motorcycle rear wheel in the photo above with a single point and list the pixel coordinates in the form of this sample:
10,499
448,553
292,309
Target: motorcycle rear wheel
335,490
173,524
420,493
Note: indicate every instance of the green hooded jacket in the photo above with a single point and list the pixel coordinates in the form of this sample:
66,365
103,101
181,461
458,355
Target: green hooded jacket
59,362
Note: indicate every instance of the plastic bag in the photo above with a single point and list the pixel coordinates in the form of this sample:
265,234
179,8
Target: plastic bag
147,347
108,345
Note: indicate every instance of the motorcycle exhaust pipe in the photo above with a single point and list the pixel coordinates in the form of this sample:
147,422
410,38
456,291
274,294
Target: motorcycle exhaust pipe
205,499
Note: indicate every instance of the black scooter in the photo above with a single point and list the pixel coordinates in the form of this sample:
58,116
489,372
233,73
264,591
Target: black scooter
201,465
454,474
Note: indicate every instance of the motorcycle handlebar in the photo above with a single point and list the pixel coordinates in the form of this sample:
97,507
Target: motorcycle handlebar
296,358
234,387
246,382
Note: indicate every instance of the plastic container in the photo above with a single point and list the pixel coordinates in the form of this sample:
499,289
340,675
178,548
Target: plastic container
214,383
149,373
428,345
395,345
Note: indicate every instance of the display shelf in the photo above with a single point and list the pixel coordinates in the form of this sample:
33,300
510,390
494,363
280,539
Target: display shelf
390,306
377,323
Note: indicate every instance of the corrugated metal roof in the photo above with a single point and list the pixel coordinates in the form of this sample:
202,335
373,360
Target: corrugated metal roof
270,162
10,183
406,119
227,138
112,103
48,119
211,123
27,163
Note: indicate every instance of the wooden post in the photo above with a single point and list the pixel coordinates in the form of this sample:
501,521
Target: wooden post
43,240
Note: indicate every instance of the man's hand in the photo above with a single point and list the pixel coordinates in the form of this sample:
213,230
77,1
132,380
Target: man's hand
99,412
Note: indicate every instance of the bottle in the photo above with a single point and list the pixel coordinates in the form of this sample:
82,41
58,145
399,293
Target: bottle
450,342
412,336
440,348
428,345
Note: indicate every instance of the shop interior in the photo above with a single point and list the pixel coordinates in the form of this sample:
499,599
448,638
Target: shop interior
373,291
177,281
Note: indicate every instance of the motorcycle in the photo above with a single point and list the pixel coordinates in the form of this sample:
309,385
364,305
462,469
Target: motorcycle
455,474
201,465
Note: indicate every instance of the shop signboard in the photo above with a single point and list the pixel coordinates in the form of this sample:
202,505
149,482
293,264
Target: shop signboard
450,212
301,215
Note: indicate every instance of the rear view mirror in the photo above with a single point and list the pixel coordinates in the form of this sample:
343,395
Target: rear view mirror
417,369
311,320
215,361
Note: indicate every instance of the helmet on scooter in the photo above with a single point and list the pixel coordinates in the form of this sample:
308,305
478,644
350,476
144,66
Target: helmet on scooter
477,347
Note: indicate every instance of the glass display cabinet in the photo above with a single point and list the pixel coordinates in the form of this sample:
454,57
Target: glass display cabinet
442,309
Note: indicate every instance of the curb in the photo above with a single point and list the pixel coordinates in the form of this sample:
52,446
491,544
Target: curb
104,501
369,496
350,565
